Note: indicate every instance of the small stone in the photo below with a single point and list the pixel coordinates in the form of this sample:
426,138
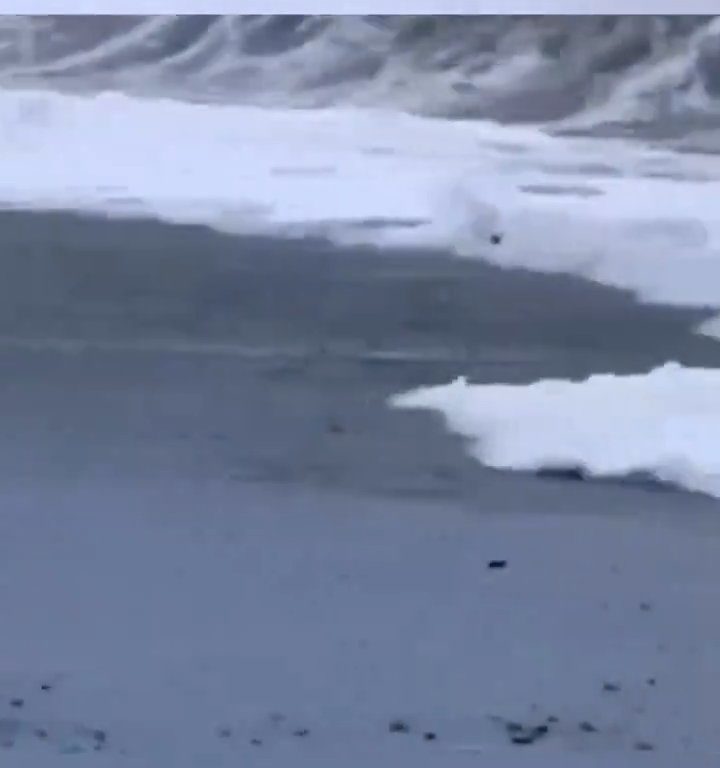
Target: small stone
429,736
651,681
256,742
100,737
398,726
301,732
587,727
17,703
46,687
520,734
41,733
497,564
611,687
646,607
496,238
553,719
523,738
224,732
644,746
335,427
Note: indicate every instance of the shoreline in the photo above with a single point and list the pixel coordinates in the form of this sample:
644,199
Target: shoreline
316,338
216,535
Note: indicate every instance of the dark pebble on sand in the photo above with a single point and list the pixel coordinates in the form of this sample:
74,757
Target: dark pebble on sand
224,732
17,703
429,736
611,687
525,735
46,687
301,733
553,719
399,726
652,681
256,742
646,607
523,739
644,746
587,727
41,733
335,427
100,736
497,564
496,239
576,474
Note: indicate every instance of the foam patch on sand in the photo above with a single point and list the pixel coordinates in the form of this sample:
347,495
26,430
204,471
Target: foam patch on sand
665,423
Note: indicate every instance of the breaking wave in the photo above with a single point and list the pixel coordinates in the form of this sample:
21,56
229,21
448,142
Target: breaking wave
628,74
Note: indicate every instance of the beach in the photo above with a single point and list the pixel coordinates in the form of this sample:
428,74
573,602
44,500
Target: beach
219,544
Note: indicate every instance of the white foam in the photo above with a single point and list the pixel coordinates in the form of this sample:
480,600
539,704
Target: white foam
664,423
622,214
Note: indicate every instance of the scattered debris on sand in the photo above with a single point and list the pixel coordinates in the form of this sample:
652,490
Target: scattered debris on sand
521,734
644,746
398,726
587,727
334,427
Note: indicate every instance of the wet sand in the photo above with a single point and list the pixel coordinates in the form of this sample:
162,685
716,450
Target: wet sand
210,514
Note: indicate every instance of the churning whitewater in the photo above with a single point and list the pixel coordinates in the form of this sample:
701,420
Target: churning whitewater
655,71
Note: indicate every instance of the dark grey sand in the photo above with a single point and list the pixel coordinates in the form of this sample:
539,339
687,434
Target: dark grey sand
134,348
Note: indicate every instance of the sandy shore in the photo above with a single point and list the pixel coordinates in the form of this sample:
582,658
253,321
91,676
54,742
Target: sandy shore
215,532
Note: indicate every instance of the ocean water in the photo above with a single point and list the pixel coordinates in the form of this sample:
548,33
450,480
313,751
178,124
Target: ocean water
358,130
239,257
